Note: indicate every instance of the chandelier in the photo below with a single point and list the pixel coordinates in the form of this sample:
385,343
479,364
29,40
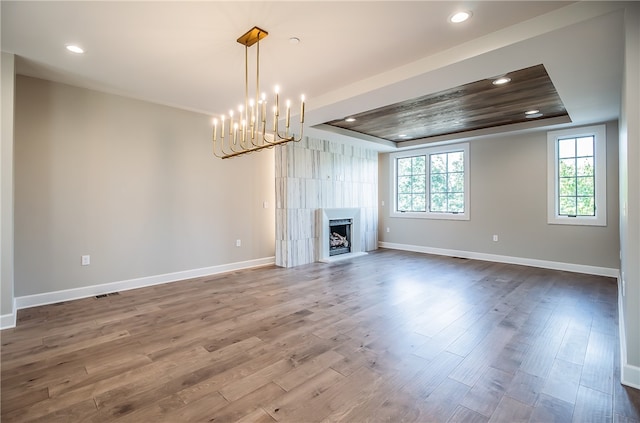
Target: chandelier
246,132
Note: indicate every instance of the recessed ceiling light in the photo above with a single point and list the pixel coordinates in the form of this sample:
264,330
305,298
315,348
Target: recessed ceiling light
460,16
294,40
531,114
75,48
403,136
502,80
350,119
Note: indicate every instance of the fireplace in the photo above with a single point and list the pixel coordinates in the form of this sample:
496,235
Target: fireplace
340,234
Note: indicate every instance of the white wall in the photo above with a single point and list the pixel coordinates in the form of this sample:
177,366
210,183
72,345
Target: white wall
7,316
508,198
629,297
132,184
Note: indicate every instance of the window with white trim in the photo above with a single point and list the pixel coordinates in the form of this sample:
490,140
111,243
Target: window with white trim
577,176
431,183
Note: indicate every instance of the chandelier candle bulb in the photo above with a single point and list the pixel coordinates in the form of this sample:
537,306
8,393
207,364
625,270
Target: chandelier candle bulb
288,120
275,118
230,122
277,101
302,109
215,128
222,127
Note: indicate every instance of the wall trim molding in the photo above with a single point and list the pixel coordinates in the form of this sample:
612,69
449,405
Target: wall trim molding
629,374
545,264
9,320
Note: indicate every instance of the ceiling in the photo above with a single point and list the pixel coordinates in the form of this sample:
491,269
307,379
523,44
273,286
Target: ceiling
353,56
514,97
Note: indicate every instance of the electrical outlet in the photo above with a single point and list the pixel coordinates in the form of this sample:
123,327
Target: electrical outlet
238,243
388,230
495,238
265,204
85,260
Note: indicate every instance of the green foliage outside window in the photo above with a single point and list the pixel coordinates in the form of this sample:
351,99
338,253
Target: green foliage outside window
576,177
447,182
412,184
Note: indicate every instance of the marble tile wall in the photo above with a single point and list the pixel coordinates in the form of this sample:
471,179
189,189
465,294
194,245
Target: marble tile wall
314,174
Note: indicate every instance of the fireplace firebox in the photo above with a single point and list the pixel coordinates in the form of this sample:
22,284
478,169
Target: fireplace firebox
339,236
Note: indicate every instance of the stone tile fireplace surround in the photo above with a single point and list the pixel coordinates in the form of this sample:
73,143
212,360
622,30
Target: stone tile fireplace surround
315,175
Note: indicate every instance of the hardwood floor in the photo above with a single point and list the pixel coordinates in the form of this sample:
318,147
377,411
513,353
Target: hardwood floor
391,336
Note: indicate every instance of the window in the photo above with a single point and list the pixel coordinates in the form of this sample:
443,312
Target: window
412,184
431,183
577,176
446,193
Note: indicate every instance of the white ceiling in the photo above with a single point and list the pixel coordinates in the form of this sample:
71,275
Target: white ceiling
353,56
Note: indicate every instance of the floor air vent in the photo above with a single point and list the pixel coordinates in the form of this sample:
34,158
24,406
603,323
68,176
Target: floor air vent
107,295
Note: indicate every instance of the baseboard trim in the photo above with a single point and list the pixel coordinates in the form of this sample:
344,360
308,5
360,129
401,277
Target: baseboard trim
90,291
629,374
8,321
545,264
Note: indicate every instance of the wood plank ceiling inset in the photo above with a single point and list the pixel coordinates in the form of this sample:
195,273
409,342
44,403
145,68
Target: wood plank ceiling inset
473,106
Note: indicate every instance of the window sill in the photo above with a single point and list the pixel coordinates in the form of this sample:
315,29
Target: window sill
434,216
577,221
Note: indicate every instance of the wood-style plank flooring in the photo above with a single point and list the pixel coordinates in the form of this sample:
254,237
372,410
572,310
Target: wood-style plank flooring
388,337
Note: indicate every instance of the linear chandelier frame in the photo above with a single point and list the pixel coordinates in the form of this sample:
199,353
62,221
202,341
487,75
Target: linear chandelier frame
249,133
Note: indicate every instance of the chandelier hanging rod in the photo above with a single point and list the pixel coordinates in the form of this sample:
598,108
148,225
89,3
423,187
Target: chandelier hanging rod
249,133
